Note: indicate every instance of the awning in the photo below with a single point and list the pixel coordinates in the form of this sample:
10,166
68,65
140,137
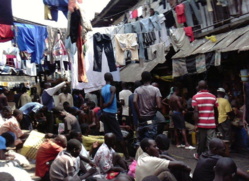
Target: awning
204,53
133,71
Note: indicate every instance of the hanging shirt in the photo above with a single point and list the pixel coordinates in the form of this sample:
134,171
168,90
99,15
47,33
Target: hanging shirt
31,38
6,33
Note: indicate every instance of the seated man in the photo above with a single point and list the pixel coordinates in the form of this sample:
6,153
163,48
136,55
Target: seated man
106,158
64,164
47,152
11,125
225,170
90,118
84,153
71,123
149,163
204,168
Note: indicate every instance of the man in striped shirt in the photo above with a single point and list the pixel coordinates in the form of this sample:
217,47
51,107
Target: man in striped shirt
205,115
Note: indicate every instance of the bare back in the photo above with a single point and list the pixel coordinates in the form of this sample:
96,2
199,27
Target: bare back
175,103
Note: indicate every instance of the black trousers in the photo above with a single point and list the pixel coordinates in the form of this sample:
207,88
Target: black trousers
100,42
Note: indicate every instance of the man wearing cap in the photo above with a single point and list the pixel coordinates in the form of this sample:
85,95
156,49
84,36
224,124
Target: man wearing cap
224,107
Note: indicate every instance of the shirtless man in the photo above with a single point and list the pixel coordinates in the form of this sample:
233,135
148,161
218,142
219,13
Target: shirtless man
175,103
90,117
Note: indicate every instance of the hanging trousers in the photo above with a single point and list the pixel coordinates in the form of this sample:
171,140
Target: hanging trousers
100,42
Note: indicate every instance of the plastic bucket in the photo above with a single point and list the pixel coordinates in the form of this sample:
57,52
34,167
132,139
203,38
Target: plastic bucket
244,75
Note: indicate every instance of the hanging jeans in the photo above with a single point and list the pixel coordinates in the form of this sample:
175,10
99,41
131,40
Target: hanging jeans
100,42
126,42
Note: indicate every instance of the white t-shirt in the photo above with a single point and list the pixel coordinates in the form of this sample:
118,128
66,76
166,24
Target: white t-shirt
149,165
124,94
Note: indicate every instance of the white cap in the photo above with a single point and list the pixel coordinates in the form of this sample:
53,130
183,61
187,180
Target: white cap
221,90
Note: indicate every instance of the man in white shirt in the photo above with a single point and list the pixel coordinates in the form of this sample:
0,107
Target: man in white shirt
124,100
149,163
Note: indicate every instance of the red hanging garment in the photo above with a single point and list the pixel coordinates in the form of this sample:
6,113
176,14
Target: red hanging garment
6,33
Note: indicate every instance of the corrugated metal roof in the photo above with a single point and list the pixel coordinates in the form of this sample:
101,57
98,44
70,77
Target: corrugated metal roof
229,41
206,47
239,44
133,71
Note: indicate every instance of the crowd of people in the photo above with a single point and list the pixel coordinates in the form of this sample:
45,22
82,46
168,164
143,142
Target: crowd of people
131,124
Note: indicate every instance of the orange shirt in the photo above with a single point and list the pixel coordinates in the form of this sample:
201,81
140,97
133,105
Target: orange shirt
47,152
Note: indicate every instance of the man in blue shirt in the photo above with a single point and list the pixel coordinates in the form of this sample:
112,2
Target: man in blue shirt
108,104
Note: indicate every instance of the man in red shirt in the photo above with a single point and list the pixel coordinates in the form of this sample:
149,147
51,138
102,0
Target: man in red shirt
205,115
47,152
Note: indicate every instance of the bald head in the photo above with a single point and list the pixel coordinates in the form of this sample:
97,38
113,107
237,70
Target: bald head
217,146
110,139
108,77
202,85
224,167
61,140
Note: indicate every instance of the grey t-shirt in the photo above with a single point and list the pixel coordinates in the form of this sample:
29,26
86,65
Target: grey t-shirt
147,99
72,123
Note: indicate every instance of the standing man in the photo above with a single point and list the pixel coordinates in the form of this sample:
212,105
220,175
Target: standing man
3,98
48,101
47,94
124,100
224,126
175,103
108,104
205,115
132,110
147,100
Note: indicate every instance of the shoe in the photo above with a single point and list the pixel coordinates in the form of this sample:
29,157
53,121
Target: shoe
189,147
196,156
180,146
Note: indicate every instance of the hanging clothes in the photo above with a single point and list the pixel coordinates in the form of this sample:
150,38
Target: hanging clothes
13,58
6,16
55,6
31,38
6,33
189,32
181,18
103,42
78,26
126,42
179,40
190,10
157,52
81,62
95,79
170,20
163,32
